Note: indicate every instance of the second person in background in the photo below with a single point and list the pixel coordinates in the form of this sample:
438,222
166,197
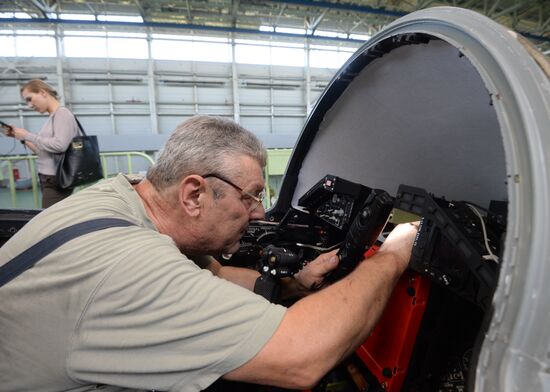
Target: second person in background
53,138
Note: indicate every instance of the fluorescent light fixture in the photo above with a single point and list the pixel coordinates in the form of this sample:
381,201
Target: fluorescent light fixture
210,39
120,18
289,30
361,37
321,33
85,33
22,15
34,32
167,36
251,42
269,29
18,15
77,16
127,35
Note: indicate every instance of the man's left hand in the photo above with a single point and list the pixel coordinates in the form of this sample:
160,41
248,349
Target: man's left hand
311,277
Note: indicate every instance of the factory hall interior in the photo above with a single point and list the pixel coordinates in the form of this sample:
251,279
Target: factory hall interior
275,195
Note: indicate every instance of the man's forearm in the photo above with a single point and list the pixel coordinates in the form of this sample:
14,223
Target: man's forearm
320,330
242,276
290,287
246,278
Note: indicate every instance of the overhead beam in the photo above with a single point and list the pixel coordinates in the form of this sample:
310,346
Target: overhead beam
190,26
544,26
493,8
425,4
313,25
178,26
343,6
140,9
42,7
234,12
280,14
508,10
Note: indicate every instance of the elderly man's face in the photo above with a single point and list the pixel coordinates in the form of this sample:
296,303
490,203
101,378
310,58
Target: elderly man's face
227,217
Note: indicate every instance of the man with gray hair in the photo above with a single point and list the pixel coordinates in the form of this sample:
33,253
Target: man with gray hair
126,308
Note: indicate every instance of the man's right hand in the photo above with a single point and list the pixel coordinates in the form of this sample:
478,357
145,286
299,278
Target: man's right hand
320,330
400,242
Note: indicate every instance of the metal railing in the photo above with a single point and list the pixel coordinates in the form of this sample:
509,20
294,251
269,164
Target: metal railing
112,163
7,164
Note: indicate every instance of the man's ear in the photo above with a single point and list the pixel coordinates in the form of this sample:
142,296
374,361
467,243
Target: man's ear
190,191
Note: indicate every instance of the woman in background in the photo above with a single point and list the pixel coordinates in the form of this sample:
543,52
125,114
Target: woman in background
53,138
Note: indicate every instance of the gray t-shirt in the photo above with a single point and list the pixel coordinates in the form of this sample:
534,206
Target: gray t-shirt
53,138
121,307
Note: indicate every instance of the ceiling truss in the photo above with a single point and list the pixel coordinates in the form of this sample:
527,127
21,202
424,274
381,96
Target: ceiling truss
529,17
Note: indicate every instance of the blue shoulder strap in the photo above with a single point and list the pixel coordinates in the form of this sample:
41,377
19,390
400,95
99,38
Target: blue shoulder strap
29,257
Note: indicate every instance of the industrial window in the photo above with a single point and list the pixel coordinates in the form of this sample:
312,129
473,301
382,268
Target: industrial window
7,44
127,48
276,53
329,57
35,46
252,54
27,43
99,45
85,46
190,50
287,56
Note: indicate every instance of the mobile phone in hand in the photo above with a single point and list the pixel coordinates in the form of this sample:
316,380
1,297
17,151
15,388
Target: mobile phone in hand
8,129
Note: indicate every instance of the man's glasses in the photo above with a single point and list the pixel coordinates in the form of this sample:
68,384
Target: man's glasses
251,201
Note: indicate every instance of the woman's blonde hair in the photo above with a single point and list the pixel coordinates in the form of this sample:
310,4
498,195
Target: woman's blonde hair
37,85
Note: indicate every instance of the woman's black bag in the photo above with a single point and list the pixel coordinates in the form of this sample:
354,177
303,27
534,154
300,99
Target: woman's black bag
81,163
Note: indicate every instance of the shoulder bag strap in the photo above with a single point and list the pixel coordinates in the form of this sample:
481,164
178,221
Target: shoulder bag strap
79,125
29,257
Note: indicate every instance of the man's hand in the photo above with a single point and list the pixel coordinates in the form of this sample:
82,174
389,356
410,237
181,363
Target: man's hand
400,242
311,277
330,324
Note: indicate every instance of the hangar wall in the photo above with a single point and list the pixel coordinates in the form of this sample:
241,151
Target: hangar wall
146,99
132,99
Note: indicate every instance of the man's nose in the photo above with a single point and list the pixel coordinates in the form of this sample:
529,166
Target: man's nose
258,213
